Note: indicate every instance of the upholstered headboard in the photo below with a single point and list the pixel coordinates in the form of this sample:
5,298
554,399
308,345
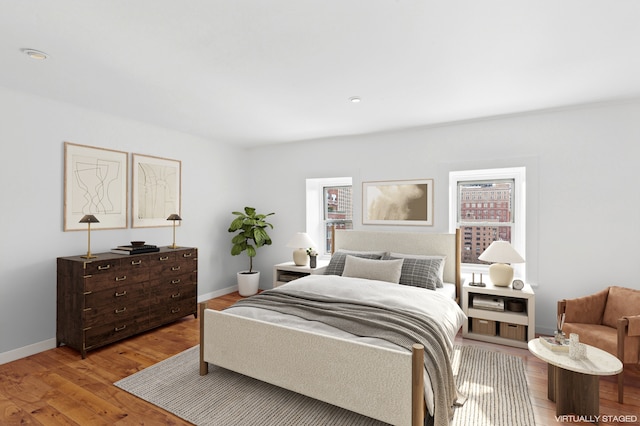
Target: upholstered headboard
407,242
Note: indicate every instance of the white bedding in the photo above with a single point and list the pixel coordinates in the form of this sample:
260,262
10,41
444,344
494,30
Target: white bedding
414,299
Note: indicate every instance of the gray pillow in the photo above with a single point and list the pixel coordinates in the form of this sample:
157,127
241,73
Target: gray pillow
421,272
336,264
393,255
372,269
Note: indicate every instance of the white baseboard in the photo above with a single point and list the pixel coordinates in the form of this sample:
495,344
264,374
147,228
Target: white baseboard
217,293
45,345
25,351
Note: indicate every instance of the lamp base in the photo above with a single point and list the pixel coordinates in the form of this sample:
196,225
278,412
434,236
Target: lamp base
501,274
173,246
88,256
300,257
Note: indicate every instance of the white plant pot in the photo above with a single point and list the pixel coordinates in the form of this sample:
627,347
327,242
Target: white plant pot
248,283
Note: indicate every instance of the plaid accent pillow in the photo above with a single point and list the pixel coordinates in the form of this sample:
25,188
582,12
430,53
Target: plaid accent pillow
336,264
420,272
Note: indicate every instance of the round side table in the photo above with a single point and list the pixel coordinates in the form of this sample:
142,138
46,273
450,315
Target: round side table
573,384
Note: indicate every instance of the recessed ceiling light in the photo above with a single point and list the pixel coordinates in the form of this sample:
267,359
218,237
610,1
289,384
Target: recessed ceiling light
354,99
35,54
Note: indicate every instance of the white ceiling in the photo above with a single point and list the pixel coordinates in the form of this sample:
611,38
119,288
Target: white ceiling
256,72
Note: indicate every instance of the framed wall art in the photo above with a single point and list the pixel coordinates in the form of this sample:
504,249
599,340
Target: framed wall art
156,190
95,182
400,202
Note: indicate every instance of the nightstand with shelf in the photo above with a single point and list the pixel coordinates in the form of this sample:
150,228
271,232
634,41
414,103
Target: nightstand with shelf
509,321
289,271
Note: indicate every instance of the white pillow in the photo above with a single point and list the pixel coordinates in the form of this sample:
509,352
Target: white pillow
381,270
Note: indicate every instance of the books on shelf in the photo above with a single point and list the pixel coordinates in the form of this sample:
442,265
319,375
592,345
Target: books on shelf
147,248
550,342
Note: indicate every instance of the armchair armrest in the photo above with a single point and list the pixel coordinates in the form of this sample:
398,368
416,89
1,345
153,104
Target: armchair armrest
633,323
562,306
622,332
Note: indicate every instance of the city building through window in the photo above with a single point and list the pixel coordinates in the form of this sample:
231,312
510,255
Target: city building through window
329,207
488,205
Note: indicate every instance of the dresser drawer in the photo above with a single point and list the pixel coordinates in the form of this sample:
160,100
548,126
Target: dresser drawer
120,294
97,267
117,311
168,312
107,333
115,278
173,294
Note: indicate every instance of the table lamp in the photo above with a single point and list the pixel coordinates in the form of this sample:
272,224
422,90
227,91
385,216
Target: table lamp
89,219
501,253
301,242
174,217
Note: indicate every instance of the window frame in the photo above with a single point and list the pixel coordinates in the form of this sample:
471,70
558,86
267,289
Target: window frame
518,228
315,209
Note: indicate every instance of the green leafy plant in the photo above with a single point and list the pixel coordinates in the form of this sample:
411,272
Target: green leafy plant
251,234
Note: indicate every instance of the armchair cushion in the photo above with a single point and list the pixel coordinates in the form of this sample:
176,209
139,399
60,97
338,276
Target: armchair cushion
600,336
620,303
587,309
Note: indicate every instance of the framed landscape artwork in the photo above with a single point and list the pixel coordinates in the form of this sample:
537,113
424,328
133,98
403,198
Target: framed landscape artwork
95,182
156,190
400,202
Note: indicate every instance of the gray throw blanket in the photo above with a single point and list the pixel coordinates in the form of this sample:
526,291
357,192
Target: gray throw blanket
400,327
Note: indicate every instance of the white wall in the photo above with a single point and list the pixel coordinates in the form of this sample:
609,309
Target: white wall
582,200
32,134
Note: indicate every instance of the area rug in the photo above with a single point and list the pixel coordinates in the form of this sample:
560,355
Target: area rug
494,383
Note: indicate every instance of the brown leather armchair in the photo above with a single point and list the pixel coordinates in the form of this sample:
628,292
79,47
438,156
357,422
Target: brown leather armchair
609,320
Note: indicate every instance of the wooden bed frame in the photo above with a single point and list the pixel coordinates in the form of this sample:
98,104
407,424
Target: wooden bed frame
384,384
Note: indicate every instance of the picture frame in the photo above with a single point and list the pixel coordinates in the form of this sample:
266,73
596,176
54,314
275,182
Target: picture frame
398,202
95,182
156,190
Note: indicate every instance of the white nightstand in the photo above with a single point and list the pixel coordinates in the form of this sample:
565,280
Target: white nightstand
506,327
288,271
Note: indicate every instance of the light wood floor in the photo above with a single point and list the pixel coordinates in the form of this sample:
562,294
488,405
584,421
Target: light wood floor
57,387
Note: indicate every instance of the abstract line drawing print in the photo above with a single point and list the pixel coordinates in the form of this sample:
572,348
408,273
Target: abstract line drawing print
157,191
97,181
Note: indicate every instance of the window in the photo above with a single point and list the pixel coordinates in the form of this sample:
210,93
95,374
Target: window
480,226
329,206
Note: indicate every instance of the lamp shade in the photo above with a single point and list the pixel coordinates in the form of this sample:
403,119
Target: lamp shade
300,241
89,218
174,217
500,253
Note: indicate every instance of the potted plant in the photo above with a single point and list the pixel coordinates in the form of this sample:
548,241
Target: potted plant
251,229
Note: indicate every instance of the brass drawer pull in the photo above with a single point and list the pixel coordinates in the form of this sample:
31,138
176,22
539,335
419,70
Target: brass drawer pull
119,311
186,254
175,296
124,293
175,310
164,258
122,278
136,262
120,328
175,281
102,268
175,268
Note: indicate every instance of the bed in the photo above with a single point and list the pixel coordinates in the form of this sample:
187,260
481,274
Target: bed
399,375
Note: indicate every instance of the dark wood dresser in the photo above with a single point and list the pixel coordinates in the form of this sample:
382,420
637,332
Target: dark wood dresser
113,296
